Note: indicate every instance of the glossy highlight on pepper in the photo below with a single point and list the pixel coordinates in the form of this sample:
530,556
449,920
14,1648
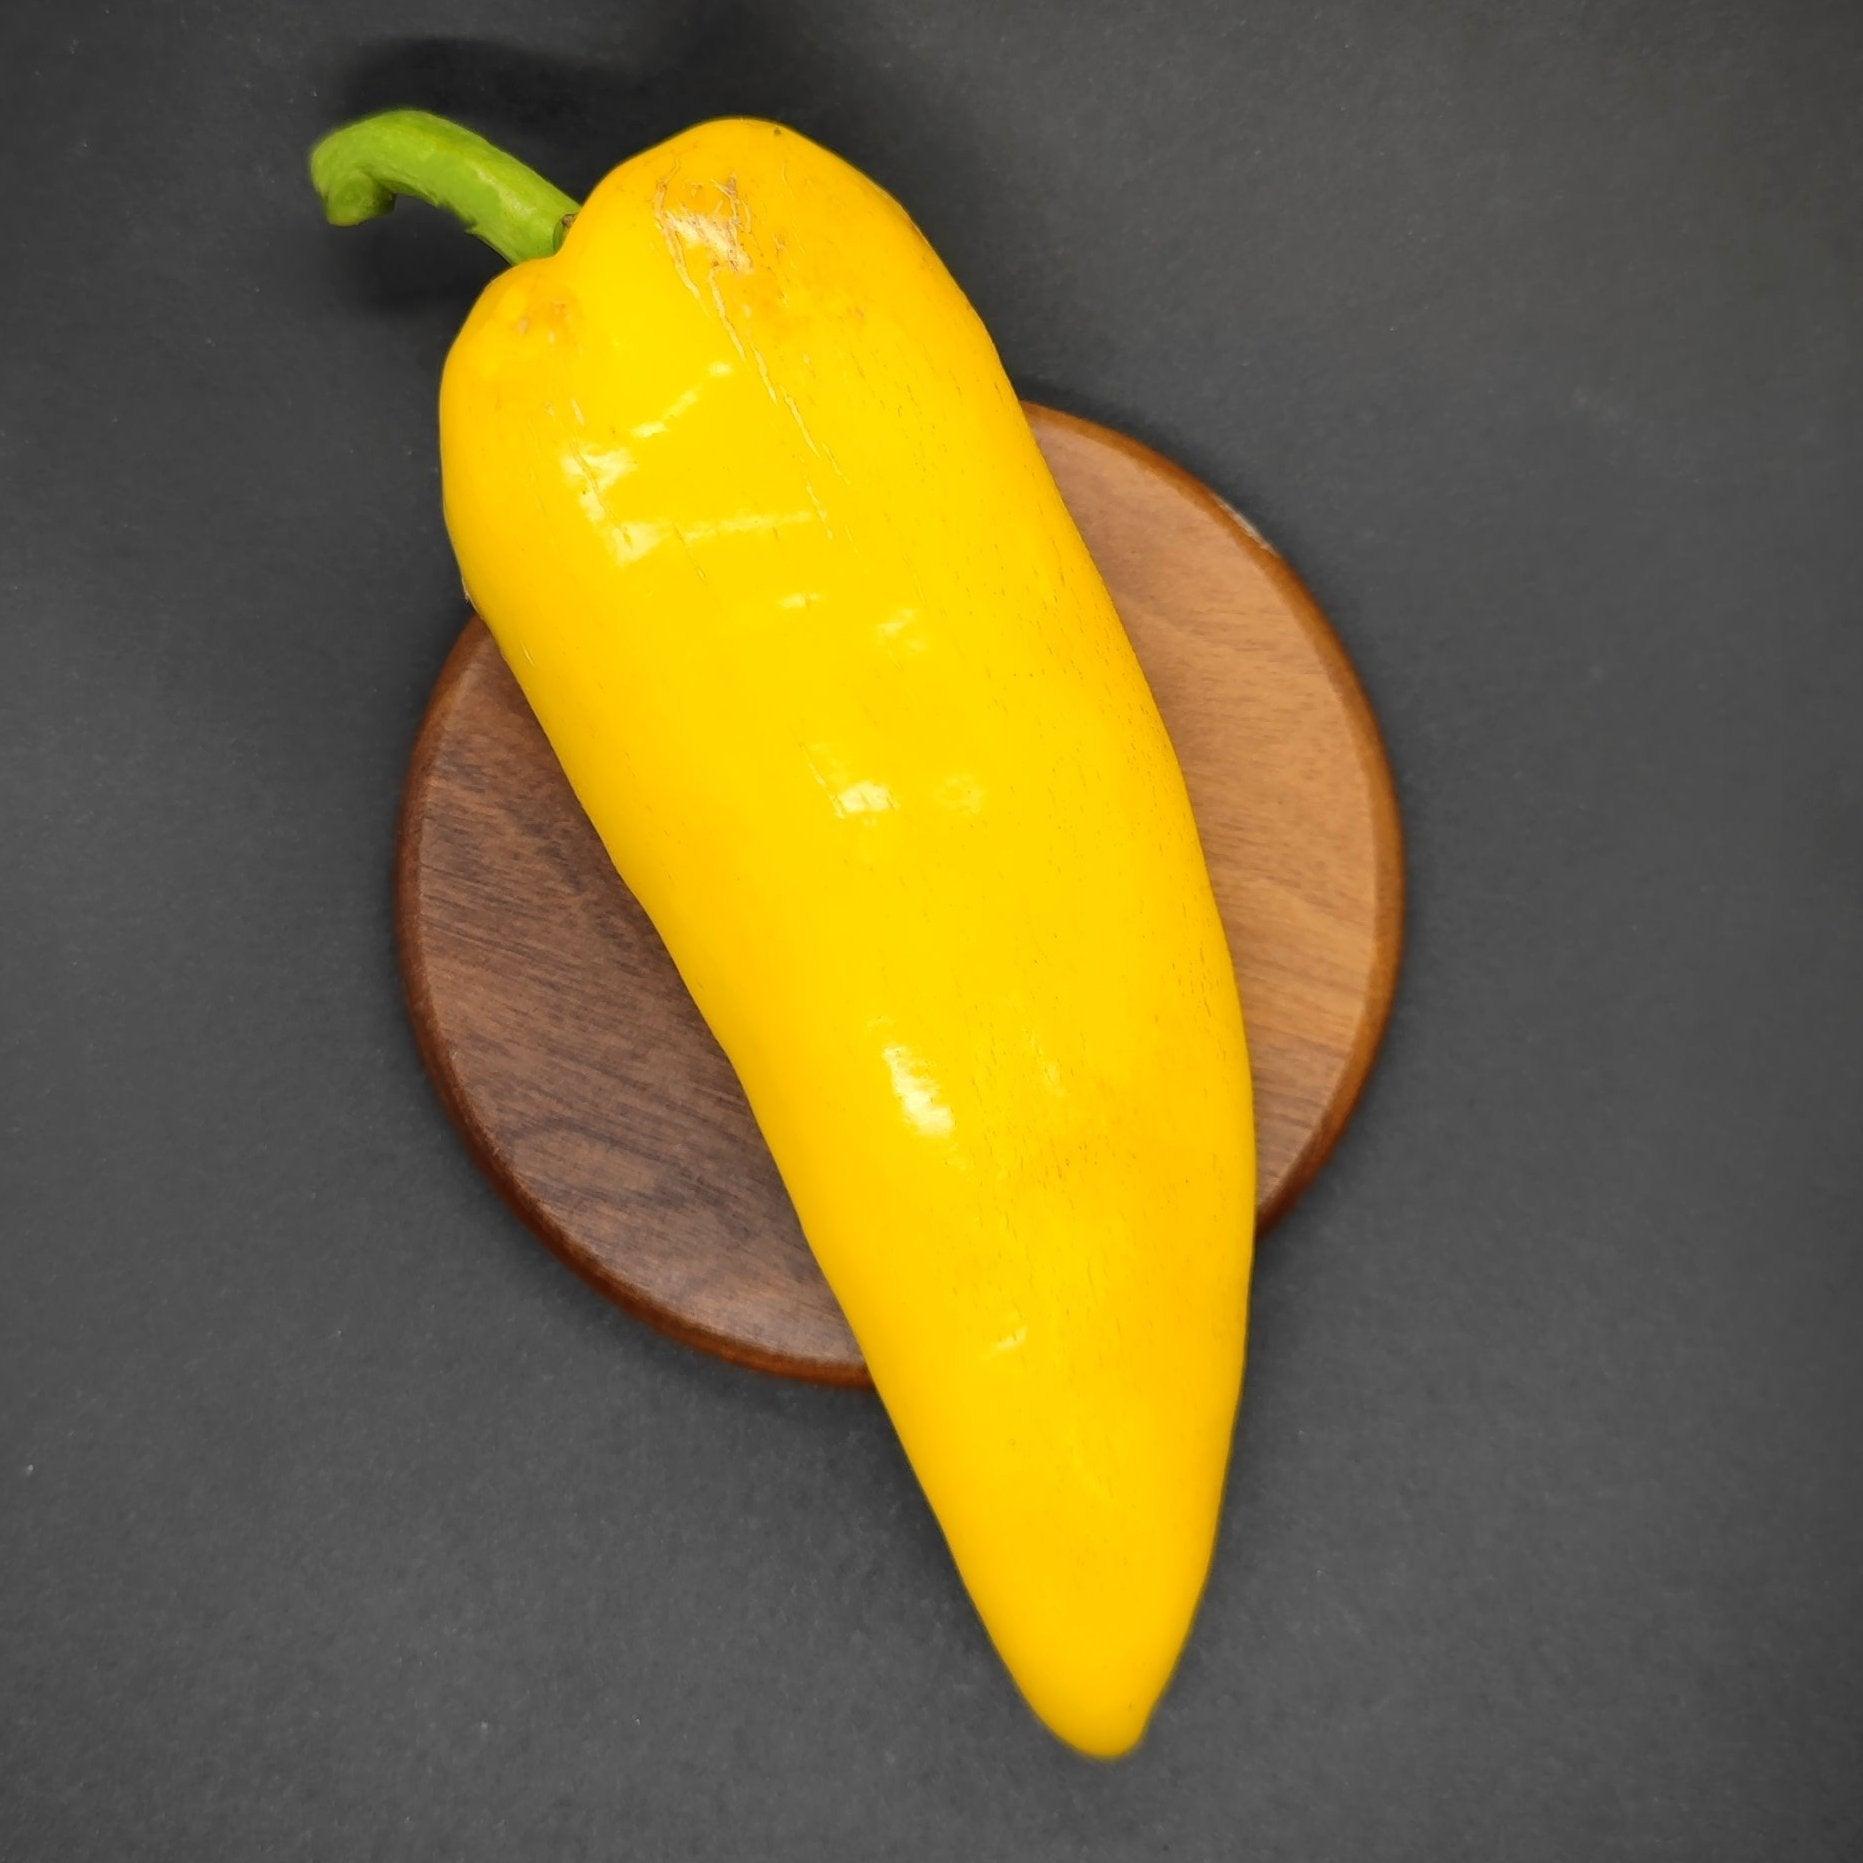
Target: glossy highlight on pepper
736,479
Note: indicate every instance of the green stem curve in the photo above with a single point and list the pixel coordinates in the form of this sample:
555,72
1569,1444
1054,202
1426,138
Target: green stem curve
359,169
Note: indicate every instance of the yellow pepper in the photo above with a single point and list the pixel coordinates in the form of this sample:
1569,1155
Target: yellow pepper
738,483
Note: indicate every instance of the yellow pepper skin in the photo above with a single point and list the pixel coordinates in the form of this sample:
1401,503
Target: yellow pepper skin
740,486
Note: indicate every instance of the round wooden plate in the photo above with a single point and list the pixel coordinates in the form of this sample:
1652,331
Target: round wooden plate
572,1058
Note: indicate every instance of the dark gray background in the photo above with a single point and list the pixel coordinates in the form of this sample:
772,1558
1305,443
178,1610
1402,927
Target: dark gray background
337,1521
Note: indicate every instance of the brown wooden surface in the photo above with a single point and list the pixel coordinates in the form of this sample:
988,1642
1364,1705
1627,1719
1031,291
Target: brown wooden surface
570,1055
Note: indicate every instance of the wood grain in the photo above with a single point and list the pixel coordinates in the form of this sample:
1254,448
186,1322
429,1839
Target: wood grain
569,1053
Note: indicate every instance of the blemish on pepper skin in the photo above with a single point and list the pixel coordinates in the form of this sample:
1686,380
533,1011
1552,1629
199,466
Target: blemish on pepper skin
628,543
681,404
917,1092
898,631
864,799
592,471
686,229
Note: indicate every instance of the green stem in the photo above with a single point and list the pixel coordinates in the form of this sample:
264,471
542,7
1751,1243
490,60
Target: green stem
360,168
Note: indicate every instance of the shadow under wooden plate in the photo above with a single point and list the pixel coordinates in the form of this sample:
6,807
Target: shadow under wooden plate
570,1055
